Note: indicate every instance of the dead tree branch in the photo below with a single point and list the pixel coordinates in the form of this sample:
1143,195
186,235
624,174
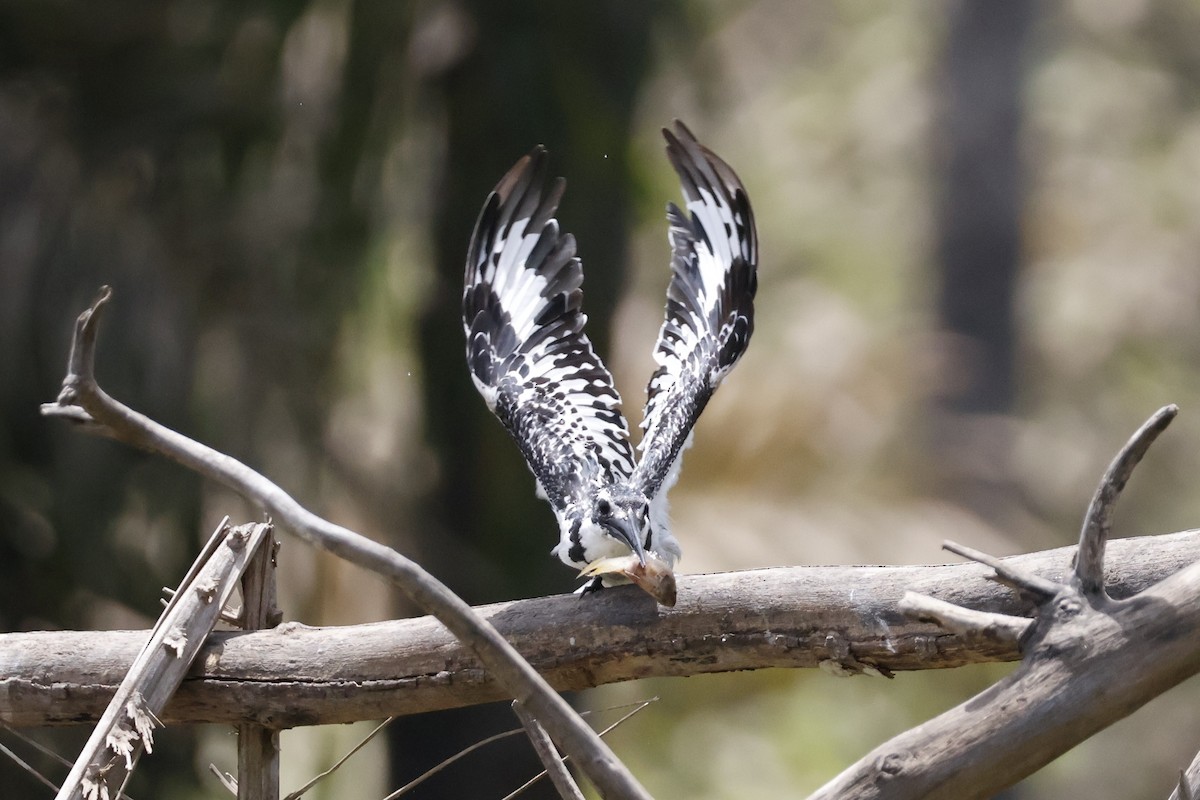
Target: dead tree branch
1188,787
81,391
557,771
126,728
1089,660
1097,523
258,746
781,617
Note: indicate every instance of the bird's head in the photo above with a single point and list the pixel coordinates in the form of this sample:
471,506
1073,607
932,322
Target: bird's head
625,517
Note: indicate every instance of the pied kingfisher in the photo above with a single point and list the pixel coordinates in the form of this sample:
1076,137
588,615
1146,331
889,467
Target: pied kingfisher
535,367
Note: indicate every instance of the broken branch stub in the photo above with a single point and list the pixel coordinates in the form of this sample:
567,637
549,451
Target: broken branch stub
1097,523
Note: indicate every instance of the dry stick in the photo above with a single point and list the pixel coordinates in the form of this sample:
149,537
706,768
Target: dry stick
640,707
1097,523
296,795
592,755
227,780
258,745
461,754
125,729
471,748
1002,628
768,618
1089,661
1187,780
20,762
1007,574
551,760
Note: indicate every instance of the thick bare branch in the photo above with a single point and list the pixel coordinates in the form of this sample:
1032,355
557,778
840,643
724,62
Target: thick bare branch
1048,705
591,754
1097,523
784,617
1088,662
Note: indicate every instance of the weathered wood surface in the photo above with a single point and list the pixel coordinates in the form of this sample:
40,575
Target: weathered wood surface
83,401
126,726
845,617
1088,661
1090,668
258,746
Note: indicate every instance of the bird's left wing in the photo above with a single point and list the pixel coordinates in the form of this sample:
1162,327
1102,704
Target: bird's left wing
710,304
526,348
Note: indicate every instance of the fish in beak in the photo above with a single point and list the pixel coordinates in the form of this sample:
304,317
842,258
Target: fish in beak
645,569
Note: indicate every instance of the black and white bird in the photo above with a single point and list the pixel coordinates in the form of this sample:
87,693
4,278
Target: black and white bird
536,369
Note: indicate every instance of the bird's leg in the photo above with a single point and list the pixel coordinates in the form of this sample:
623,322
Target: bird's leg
594,585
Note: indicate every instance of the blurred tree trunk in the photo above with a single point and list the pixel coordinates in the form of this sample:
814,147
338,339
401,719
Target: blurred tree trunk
485,532
172,151
979,250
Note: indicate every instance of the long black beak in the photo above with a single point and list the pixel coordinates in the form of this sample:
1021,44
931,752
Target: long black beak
622,528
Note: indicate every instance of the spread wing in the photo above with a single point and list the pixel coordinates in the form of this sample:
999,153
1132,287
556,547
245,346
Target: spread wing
710,304
526,349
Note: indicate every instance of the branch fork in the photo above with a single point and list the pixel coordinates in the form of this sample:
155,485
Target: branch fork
83,401
1078,640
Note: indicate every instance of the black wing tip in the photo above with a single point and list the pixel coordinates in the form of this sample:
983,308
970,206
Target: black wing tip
692,160
698,168
522,192
681,133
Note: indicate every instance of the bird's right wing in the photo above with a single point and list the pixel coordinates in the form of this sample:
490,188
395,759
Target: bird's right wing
526,348
710,304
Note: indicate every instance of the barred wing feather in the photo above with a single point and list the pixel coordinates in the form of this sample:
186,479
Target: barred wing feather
528,354
710,304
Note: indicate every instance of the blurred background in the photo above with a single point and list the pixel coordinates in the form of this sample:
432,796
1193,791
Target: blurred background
980,237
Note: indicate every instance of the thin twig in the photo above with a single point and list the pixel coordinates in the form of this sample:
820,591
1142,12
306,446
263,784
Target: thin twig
429,773
228,781
46,751
466,751
956,619
337,764
560,776
604,732
36,745
1034,584
1097,522
594,757
23,765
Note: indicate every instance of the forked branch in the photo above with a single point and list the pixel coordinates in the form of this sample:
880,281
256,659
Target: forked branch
81,392
1097,523
1080,646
